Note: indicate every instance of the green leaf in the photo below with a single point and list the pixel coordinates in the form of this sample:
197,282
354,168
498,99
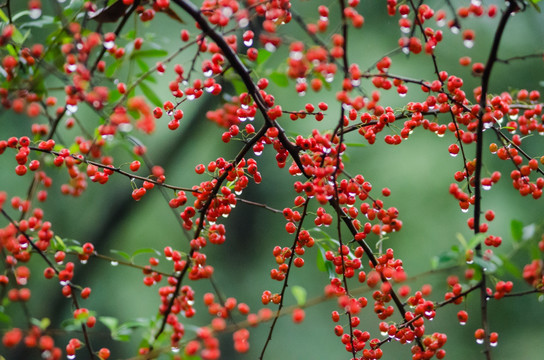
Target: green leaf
142,65
58,244
148,53
110,322
4,318
146,251
322,263
300,294
42,324
263,56
516,227
122,254
279,79
487,266
150,94
475,240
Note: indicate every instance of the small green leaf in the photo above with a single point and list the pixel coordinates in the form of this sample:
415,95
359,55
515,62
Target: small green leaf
110,322
263,56
142,65
487,266
122,254
300,294
111,69
475,240
146,251
150,94
516,227
279,79
58,244
4,318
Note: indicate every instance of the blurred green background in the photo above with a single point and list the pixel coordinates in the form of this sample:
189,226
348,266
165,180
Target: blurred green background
418,172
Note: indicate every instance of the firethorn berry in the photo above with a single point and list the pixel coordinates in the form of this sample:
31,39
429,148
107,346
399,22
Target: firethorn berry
88,248
104,353
298,315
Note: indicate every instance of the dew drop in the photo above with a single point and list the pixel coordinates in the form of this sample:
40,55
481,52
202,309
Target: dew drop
270,47
248,43
258,153
70,357
114,263
72,67
243,22
175,349
71,109
462,323
468,43
479,341
63,283
470,261
83,261
454,29
402,95
405,29
383,333
190,97
454,154
209,89
494,344
242,119
208,73
486,187
405,50
109,44
35,13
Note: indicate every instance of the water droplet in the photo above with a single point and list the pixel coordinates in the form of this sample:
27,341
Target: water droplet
406,50
208,73
242,119
383,333
402,95
84,261
493,344
114,263
462,323
71,357
35,13
453,154
250,118
72,67
470,262
405,29
209,89
486,187
63,283
441,22
109,44
125,127
295,55
454,29
468,43
71,109
244,22
302,93
248,43
190,97
439,135
479,341
270,47
244,106
257,153
175,349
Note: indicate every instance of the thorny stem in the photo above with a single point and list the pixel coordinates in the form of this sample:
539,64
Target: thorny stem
285,281
512,6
